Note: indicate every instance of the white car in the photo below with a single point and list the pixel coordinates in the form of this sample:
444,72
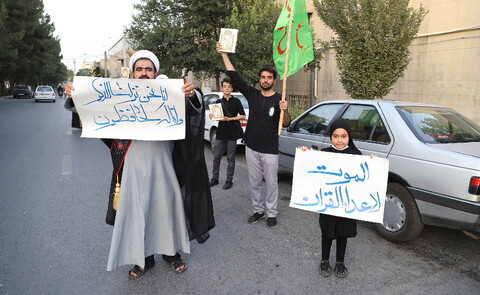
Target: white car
44,93
211,126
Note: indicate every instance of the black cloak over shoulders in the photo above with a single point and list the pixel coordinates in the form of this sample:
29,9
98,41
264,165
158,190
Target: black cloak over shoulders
191,170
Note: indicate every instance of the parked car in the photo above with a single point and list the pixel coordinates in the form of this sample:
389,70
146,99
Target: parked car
22,91
211,126
44,93
433,153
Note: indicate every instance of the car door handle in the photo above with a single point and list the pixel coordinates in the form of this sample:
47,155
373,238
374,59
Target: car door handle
315,147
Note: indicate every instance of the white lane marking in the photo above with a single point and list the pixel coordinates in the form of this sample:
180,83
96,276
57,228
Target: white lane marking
67,165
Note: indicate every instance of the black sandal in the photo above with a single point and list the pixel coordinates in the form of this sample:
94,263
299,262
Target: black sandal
138,271
177,264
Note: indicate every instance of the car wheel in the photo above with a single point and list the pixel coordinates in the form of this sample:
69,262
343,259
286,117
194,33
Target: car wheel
54,100
36,100
213,137
401,221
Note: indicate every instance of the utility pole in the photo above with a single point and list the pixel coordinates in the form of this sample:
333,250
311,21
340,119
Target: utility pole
106,70
124,51
312,88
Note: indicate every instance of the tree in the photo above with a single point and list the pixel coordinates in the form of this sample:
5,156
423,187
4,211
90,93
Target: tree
29,53
372,42
84,72
202,23
155,28
6,53
181,33
11,34
47,56
69,76
24,16
255,20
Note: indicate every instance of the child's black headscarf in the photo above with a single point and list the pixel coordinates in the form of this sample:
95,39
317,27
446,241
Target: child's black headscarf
344,124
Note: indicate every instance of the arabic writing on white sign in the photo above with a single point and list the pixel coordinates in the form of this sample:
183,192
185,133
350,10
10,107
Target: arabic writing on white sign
141,109
337,184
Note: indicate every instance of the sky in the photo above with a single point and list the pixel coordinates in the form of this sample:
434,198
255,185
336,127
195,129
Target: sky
88,28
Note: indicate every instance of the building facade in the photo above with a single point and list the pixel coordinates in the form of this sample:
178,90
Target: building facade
117,57
444,67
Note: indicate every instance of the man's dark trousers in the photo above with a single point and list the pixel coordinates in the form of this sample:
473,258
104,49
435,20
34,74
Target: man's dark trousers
219,151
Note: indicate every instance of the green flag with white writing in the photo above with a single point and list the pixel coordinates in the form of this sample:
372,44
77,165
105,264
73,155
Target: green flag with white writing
301,40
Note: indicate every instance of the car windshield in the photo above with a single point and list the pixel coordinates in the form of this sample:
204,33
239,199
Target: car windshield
439,125
22,87
44,89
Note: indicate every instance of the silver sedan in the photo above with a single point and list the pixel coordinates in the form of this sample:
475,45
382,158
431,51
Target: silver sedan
434,155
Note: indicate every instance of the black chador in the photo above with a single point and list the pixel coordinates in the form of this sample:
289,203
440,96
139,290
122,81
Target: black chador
191,171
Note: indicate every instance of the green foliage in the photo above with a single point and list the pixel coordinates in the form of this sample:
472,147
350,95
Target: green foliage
295,110
181,33
29,53
255,20
372,42
84,72
203,22
69,76
320,48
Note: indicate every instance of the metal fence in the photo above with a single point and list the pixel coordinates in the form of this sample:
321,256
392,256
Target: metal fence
299,101
297,104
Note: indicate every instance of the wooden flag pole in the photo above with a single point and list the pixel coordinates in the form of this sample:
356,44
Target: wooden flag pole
284,88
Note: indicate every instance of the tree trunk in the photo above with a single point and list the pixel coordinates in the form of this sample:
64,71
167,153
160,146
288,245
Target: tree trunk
217,82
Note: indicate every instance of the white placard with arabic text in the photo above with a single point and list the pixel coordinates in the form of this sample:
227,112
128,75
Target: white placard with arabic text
344,185
142,109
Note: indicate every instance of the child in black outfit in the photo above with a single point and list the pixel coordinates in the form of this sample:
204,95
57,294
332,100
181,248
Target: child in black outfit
334,227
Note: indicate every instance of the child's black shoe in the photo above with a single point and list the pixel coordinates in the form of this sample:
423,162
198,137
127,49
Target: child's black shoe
340,270
325,268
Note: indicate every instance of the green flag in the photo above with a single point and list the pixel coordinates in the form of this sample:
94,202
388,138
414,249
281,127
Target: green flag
301,40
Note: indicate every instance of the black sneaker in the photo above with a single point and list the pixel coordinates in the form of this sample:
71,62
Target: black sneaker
256,217
325,269
228,185
272,222
213,181
340,270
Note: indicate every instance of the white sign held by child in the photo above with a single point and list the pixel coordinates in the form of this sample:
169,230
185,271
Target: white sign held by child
344,185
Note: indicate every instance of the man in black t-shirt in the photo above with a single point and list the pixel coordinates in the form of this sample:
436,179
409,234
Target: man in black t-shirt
261,139
227,134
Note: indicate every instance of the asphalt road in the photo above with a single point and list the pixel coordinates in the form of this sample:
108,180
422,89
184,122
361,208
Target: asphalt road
53,238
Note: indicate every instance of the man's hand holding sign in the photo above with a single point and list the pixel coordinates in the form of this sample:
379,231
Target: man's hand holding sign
143,109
